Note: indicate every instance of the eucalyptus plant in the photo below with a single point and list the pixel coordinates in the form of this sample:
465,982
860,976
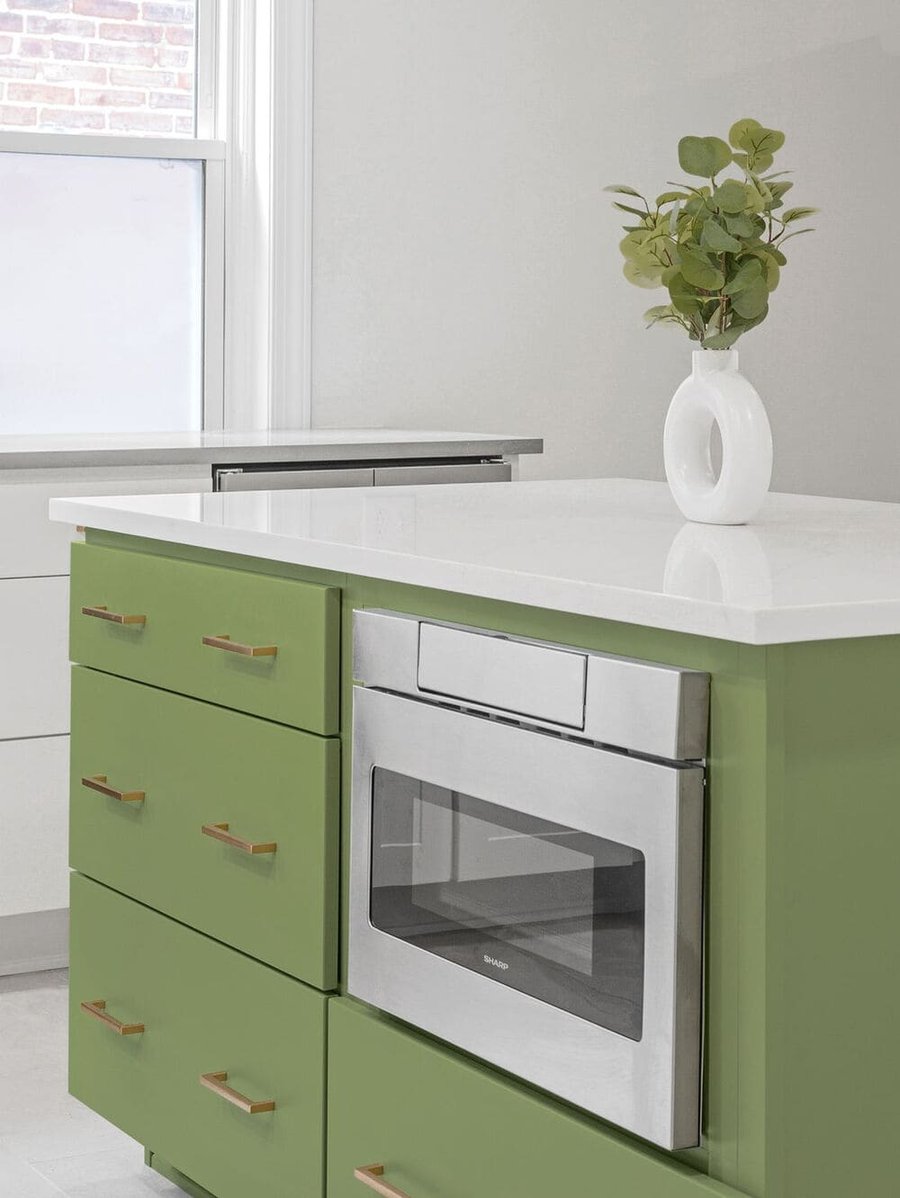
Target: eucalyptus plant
717,248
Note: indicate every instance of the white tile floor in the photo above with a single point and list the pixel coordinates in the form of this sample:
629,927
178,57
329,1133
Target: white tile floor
49,1143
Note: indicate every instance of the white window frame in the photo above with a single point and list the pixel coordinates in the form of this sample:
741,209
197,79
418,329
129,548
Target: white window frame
254,136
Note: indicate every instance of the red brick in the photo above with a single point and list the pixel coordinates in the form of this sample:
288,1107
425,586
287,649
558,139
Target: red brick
141,56
34,47
180,35
6,45
184,125
17,116
180,14
186,81
18,70
65,26
72,118
122,10
40,93
122,31
43,5
69,50
123,77
167,57
171,100
113,98
62,72
11,22
141,122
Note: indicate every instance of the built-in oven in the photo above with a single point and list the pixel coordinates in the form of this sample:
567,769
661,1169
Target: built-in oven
526,861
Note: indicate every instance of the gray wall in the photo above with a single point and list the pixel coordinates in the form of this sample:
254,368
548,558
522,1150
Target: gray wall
466,271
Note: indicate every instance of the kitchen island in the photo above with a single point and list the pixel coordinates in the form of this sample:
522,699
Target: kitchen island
795,618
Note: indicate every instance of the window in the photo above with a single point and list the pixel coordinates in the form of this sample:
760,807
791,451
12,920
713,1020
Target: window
111,217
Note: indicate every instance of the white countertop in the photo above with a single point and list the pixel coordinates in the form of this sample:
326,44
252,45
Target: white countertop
242,448
808,569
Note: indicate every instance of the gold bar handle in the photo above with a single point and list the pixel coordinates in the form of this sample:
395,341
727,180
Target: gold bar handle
220,832
230,646
97,1010
216,1083
102,612
370,1175
98,782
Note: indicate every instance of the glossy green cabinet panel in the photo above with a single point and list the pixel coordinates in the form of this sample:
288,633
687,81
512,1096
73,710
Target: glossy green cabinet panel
444,1127
205,1009
183,602
197,765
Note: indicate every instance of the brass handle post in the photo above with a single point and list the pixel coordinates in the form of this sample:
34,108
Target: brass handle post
229,646
102,612
98,782
220,832
97,1010
216,1083
370,1175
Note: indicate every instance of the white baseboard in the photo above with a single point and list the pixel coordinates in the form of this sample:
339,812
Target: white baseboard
34,941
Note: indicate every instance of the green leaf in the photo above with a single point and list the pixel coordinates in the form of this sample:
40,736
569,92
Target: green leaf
667,197
748,273
751,300
704,156
637,274
740,129
623,189
716,239
724,340
684,298
778,189
732,196
792,214
739,224
796,233
700,271
625,208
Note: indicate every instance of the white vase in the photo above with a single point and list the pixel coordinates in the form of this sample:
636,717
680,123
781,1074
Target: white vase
717,393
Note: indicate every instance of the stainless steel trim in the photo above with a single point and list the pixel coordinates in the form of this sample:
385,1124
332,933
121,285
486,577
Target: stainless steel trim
513,676
463,472
289,480
647,707
651,1086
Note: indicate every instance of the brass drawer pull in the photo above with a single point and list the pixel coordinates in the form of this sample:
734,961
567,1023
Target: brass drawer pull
230,646
97,1010
216,1083
98,782
370,1175
220,832
102,612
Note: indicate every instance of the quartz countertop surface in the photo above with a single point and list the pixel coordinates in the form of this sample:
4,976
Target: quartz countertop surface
807,569
244,448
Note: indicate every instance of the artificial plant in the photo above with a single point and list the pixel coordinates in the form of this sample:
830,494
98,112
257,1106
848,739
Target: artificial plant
716,248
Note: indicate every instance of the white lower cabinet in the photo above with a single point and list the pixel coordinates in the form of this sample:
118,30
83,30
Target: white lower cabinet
34,823
34,685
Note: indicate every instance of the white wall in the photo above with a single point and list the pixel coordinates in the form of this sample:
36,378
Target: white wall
466,271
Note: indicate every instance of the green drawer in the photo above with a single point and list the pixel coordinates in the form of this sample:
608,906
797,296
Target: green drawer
183,602
205,1009
199,765
444,1127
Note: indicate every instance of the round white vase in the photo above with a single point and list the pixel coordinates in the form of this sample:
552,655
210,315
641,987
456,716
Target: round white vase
716,393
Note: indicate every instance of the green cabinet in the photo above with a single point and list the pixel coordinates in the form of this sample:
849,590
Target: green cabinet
200,766
172,607
204,1010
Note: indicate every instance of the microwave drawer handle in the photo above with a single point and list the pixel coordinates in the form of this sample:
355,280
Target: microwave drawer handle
371,1175
225,643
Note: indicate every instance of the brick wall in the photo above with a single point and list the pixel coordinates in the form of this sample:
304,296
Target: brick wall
97,66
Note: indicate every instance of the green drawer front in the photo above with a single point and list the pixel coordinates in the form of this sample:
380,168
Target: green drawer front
205,1009
197,765
183,602
443,1127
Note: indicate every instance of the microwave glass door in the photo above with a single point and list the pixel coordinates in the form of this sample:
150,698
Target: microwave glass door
546,909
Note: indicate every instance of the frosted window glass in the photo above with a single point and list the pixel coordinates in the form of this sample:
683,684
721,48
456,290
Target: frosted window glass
101,298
